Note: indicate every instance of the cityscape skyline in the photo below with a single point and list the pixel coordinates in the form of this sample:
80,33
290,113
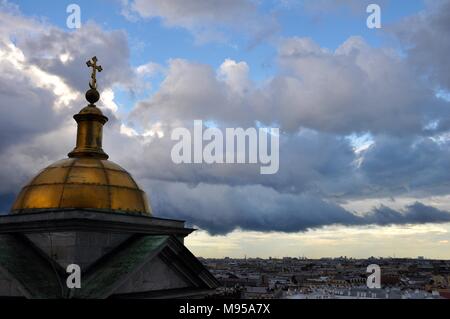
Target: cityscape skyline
203,245
340,278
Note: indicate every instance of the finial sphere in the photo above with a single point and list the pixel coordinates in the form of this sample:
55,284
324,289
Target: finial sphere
92,96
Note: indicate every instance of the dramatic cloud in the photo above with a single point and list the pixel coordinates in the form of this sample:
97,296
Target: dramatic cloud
21,100
355,89
221,209
414,166
426,41
194,91
62,53
413,214
29,95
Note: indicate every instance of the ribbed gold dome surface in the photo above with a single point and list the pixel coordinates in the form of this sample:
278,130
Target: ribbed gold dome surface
86,180
83,183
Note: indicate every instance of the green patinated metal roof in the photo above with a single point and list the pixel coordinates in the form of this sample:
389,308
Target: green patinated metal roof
106,275
32,271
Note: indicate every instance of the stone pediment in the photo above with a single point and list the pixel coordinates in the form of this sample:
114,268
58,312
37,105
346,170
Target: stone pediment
146,267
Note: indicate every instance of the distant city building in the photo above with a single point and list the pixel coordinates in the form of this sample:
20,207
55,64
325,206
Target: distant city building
330,278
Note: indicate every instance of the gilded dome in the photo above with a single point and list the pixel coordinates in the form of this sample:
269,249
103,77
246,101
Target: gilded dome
84,183
85,180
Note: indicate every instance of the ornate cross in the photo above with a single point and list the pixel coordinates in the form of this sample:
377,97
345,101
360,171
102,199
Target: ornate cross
93,64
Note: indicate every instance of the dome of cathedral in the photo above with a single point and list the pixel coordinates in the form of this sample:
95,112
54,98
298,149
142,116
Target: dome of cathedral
84,183
87,179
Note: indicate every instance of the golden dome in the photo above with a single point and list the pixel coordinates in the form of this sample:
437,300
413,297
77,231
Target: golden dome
85,180
83,183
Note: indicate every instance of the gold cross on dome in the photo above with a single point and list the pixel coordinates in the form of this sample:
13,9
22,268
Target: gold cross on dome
93,64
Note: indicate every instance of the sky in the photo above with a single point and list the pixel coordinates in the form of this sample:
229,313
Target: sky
363,115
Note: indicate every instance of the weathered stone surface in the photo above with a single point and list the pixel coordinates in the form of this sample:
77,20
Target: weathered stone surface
78,247
8,287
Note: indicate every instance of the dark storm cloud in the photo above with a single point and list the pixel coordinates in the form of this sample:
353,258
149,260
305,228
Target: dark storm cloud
309,161
222,209
417,213
416,166
21,106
